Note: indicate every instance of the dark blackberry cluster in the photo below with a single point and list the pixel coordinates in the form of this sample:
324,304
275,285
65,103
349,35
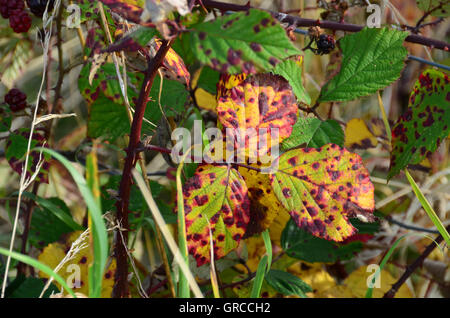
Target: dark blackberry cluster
7,7
37,7
14,10
16,99
325,44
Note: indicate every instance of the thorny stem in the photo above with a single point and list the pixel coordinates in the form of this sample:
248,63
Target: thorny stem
26,230
412,267
121,283
301,22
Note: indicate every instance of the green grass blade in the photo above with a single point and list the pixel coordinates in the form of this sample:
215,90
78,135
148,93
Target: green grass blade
183,289
100,234
388,256
260,273
428,208
166,233
42,267
268,245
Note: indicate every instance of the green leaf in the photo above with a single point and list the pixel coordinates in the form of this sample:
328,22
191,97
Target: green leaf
425,124
174,96
438,8
107,120
299,244
16,148
242,42
292,72
208,80
29,287
314,133
50,221
134,40
322,188
287,284
259,278
372,59
5,118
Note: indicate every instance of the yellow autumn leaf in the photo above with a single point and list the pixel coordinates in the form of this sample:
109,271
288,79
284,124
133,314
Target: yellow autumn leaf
355,285
205,100
54,253
358,136
314,275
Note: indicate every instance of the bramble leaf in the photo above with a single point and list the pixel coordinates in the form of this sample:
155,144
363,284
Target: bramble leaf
314,133
358,135
107,119
287,284
242,42
322,188
291,70
54,253
372,59
173,64
16,148
420,130
134,40
437,8
128,9
5,118
263,102
299,244
264,206
216,195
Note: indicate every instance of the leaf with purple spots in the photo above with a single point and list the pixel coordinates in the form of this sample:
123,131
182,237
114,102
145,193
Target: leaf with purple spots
128,9
173,66
264,206
322,188
242,42
437,8
218,195
426,122
256,110
291,70
16,148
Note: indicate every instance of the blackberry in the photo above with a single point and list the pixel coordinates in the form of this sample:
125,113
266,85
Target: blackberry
20,21
325,44
8,6
37,7
16,99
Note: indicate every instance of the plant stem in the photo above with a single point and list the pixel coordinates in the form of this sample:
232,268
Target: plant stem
21,267
301,22
121,283
411,268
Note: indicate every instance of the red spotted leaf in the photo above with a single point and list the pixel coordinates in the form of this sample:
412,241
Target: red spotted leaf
263,108
243,42
218,195
322,188
128,9
426,122
173,65
16,148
